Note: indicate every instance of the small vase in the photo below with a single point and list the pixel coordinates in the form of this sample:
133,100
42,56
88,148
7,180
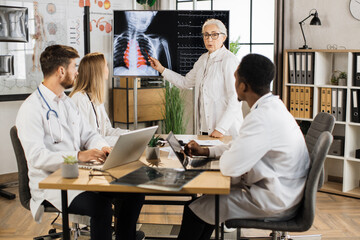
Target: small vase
342,81
152,153
70,170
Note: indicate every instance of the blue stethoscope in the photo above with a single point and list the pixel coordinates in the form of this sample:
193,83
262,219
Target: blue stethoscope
48,119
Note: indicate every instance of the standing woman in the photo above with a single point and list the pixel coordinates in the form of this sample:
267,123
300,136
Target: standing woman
89,94
216,105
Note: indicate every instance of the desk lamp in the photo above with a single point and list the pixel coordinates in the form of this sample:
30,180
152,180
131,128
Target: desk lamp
314,21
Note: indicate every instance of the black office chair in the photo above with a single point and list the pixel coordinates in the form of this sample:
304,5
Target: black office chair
24,190
318,141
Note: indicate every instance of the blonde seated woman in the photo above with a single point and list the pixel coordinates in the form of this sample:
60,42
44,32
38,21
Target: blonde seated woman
89,95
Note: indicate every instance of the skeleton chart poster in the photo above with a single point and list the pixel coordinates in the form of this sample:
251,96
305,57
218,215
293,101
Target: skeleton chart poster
53,22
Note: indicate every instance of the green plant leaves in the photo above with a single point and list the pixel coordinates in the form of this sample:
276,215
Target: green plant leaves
149,2
174,110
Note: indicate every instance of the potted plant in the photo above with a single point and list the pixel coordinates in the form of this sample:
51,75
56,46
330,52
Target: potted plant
342,78
70,167
338,78
174,110
152,149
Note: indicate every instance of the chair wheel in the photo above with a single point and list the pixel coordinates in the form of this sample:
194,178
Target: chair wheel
51,231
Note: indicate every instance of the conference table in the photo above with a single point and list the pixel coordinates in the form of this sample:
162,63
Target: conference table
207,182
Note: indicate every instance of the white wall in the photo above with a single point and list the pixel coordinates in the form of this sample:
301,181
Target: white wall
338,26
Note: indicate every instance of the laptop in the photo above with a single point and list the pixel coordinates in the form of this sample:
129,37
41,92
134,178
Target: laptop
196,163
128,148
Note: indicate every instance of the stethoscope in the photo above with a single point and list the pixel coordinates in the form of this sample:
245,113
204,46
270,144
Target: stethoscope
48,119
96,118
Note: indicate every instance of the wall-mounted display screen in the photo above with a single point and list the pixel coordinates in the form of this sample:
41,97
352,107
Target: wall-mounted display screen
173,37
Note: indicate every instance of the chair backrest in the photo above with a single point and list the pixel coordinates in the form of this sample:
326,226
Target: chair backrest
322,122
306,214
24,189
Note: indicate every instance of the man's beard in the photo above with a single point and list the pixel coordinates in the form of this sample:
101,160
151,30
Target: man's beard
68,82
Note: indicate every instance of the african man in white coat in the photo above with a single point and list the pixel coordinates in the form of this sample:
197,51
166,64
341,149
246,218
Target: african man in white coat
266,162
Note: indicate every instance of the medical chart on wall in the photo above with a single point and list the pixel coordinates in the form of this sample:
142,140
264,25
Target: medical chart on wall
52,22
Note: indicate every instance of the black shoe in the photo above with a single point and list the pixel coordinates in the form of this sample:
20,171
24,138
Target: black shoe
140,235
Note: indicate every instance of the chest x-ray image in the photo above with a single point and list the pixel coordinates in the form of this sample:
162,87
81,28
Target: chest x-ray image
13,24
135,40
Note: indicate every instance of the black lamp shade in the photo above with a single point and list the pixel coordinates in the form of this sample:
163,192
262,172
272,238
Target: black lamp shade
315,20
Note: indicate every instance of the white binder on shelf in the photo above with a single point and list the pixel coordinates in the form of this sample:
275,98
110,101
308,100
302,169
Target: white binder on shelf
310,68
292,73
303,68
298,68
334,102
341,105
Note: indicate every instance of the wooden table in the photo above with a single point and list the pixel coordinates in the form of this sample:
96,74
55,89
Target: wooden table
209,182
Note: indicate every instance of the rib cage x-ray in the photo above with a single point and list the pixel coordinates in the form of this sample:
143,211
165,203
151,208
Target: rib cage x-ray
134,45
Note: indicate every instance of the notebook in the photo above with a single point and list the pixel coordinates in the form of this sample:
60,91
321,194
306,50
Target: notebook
128,148
191,163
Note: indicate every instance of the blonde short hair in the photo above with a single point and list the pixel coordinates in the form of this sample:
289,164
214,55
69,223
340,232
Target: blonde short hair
218,23
91,79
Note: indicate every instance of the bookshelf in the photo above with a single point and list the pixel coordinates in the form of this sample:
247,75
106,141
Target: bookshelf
342,171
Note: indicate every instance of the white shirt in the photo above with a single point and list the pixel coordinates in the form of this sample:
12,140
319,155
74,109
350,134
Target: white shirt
222,110
99,121
42,155
268,164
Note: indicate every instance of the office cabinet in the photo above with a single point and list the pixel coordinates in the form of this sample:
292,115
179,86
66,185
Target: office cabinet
342,168
149,101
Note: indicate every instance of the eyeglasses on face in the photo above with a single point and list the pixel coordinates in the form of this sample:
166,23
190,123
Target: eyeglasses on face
214,36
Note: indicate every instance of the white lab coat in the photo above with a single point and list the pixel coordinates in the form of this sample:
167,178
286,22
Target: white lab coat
105,128
268,164
43,156
222,109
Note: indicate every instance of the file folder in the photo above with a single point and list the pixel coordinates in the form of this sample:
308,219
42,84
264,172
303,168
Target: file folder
323,100
308,102
357,70
355,106
328,100
334,102
301,102
303,68
291,67
310,68
292,100
298,68
297,99
341,104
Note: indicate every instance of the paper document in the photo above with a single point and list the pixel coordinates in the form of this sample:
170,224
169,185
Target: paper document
209,142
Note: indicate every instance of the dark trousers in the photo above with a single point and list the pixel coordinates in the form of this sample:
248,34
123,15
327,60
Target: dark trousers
98,205
192,227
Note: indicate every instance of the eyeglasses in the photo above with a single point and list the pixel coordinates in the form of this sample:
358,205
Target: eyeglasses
93,173
214,36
